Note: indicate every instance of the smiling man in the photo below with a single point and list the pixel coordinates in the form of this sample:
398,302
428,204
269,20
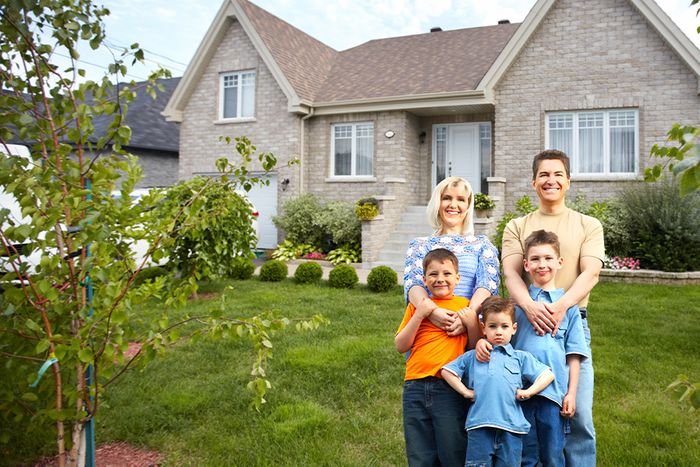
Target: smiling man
583,251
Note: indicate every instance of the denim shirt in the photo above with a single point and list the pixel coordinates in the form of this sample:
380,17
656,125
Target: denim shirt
494,384
552,350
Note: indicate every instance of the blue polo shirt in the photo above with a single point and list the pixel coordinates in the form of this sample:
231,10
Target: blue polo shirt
494,384
552,350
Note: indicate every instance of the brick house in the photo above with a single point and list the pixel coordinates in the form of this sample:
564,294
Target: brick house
603,80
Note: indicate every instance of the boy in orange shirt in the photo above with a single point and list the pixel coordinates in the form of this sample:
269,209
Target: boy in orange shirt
433,413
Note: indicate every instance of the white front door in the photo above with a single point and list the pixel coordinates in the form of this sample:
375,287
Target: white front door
456,153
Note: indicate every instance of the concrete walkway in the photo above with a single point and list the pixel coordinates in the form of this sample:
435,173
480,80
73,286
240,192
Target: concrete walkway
327,267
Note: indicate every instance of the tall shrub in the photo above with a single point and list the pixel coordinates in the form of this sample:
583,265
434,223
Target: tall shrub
296,218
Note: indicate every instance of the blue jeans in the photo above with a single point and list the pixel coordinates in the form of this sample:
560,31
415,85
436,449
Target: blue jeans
579,448
544,442
493,447
433,423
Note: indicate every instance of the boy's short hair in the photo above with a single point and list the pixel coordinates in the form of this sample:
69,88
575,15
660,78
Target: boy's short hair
542,237
550,154
493,305
440,254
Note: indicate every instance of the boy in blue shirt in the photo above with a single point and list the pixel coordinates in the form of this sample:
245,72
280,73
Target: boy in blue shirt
547,412
495,422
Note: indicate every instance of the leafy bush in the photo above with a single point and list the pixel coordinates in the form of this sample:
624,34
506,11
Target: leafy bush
343,276
367,208
338,223
296,218
290,250
381,279
241,268
349,253
663,227
483,202
308,273
522,207
149,273
273,271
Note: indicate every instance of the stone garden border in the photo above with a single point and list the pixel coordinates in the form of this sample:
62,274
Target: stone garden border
648,276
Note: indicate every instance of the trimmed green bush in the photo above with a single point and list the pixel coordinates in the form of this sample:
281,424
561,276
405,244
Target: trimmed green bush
296,218
381,279
273,271
149,273
343,276
241,268
338,223
308,273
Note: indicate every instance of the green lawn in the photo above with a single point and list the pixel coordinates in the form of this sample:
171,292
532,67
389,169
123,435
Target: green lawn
337,390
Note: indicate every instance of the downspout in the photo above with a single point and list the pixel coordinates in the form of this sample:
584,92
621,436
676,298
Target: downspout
301,151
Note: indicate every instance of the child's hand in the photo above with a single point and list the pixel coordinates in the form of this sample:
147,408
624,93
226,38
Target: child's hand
522,394
568,408
426,307
469,394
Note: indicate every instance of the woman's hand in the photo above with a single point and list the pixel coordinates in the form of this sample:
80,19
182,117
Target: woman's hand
440,317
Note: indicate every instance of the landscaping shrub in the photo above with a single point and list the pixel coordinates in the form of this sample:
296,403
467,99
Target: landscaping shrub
290,250
658,226
308,273
149,273
273,271
381,279
348,253
296,218
522,206
343,276
338,222
241,268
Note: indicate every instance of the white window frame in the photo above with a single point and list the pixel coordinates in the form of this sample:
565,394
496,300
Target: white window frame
239,99
574,156
353,153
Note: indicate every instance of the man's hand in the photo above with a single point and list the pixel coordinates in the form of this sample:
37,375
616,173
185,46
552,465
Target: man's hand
483,350
557,311
541,318
568,408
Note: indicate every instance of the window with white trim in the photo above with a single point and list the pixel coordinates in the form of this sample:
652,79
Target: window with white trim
237,95
352,149
601,142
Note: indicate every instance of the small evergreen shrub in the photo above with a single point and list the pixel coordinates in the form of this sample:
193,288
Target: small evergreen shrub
308,273
343,276
273,271
149,273
381,279
241,268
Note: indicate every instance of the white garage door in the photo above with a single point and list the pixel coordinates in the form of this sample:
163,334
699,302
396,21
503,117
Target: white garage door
264,198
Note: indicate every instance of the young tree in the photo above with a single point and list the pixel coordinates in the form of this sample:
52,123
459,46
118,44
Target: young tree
67,320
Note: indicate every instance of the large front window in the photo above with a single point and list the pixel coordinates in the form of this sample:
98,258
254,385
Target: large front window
238,95
601,142
352,150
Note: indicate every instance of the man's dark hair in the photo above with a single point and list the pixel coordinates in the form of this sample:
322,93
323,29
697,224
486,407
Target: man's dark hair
542,237
550,154
493,305
440,254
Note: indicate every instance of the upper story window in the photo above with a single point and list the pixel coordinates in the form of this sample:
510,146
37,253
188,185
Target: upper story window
237,95
601,142
352,149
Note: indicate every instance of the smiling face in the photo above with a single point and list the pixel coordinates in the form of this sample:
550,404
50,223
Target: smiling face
499,328
542,263
454,205
441,278
551,183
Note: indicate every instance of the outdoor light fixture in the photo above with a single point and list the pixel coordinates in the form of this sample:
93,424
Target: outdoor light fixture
389,133
421,137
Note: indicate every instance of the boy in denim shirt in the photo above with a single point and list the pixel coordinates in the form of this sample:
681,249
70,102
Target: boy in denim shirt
495,423
547,413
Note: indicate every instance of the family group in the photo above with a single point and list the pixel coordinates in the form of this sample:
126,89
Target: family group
494,381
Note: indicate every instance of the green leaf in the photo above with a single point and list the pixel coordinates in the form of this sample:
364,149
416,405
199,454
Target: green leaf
42,346
86,356
30,397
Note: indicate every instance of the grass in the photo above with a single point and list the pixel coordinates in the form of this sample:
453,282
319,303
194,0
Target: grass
336,398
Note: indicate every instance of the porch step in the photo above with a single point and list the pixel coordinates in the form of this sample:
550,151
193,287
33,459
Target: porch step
413,224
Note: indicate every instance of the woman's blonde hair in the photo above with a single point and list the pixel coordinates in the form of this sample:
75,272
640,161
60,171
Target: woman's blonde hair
433,209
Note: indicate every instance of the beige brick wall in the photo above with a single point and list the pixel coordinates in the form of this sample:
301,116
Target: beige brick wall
274,129
595,56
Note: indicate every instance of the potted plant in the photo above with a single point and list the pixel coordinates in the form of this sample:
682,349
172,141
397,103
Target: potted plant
483,205
367,209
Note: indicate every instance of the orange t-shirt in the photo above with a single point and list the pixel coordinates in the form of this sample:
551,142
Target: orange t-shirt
432,347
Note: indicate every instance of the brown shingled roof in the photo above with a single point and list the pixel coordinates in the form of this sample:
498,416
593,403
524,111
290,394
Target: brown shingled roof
304,60
437,62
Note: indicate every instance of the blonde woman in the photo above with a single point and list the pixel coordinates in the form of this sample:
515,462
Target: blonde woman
450,212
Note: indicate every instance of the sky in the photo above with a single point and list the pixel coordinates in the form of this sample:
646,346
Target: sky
170,31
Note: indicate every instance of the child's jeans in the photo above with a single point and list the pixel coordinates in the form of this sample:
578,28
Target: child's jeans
488,447
545,440
433,423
